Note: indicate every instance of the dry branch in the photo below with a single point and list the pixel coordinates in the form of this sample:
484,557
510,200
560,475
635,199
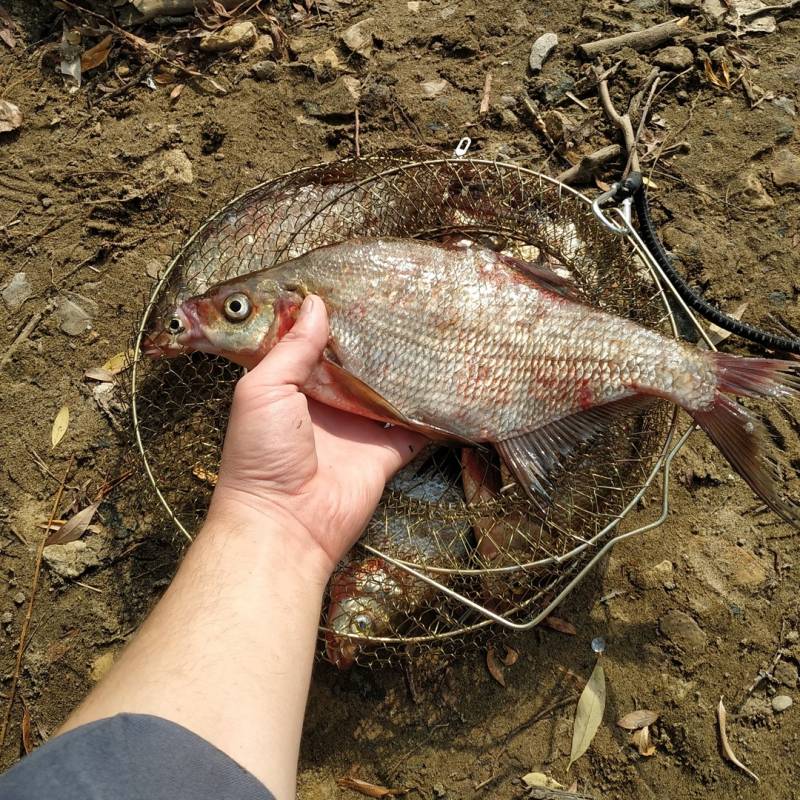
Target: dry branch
648,39
149,9
585,170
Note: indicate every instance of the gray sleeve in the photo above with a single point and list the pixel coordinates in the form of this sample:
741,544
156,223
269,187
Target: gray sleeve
130,757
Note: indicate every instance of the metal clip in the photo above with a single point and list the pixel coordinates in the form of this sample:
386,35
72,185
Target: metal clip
609,198
462,148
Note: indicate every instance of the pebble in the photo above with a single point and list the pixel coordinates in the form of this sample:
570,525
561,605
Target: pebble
541,49
7,618
10,117
19,598
781,702
785,104
265,71
786,673
72,559
358,38
17,291
263,47
508,101
682,630
675,58
240,34
786,168
73,319
432,89
754,194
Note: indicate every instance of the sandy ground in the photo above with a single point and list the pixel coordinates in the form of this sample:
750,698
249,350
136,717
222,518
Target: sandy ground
692,611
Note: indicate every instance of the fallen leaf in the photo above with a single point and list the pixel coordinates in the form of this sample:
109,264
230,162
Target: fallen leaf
10,117
722,718
717,334
589,713
119,362
560,625
99,374
368,789
495,670
644,745
27,741
60,425
74,527
511,657
637,719
97,55
8,37
540,779
176,92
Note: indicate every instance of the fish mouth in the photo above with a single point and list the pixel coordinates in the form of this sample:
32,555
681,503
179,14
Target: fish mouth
173,335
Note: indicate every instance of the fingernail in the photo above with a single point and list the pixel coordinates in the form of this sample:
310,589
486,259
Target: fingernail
305,309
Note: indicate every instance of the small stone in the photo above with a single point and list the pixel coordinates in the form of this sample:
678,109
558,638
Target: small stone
413,6
358,37
508,101
19,598
509,120
659,575
7,618
792,637
101,665
328,58
73,319
541,49
171,167
682,630
154,268
72,559
781,702
123,70
17,291
433,88
263,47
240,34
785,104
786,673
439,790
675,58
754,194
46,202
786,169
10,117
265,71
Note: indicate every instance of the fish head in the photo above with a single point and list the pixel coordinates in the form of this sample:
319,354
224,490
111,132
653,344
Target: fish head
232,320
362,596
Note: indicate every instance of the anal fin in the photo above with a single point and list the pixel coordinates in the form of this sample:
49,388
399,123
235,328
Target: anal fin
532,456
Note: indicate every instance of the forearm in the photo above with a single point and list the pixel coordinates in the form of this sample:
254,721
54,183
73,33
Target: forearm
228,650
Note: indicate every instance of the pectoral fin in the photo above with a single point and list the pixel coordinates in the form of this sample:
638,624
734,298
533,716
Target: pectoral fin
533,456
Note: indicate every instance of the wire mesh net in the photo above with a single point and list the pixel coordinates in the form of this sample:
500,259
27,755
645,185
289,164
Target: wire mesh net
453,516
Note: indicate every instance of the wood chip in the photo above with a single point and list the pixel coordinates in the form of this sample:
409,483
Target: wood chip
722,718
368,789
644,744
60,425
637,719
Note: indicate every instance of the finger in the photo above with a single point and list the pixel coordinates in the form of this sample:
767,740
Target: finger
401,447
293,358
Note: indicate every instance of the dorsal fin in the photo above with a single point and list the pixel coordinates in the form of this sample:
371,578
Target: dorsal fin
542,276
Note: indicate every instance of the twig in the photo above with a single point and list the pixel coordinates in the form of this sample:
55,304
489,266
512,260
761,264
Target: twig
636,100
29,328
23,635
540,793
149,9
770,10
358,135
585,170
487,91
623,122
645,111
648,39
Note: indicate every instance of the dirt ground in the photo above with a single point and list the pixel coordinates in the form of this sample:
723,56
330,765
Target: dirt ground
691,611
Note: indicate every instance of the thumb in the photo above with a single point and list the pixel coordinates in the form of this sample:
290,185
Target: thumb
293,358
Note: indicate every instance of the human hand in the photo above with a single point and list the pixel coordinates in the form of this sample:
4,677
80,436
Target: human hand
315,471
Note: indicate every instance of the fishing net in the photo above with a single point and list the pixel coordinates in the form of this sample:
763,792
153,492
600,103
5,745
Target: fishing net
454,547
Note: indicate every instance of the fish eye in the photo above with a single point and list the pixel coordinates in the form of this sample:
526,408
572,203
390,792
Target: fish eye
175,325
237,307
362,623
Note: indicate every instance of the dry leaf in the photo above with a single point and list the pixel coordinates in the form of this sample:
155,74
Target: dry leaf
97,55
717,334
589,713
560,625
10,117
540,779
99,374
201,473
27,741
637,719
641,739
495,670
119,362
74,527
368,789
176,92
8,37
511,657
60,425
722,717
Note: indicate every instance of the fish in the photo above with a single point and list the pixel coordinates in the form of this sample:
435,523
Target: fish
369,596
471,346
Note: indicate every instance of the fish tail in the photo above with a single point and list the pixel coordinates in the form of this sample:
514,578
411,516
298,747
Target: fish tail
739,434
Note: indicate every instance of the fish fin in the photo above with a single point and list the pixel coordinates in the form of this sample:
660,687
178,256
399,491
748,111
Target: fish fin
545,278
756,377
335,386
740,436
532,456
